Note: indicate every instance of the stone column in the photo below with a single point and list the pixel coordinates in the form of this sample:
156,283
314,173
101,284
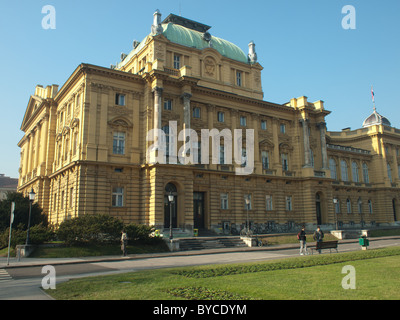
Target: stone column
157,107
306,138
322,130
186,124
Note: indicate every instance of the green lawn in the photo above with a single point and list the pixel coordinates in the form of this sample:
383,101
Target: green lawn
309,277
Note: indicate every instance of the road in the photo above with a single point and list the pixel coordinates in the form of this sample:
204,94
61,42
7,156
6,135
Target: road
25,282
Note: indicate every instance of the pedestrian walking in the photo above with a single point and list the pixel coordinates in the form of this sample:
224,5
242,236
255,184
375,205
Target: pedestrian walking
124,243
318,236
303,240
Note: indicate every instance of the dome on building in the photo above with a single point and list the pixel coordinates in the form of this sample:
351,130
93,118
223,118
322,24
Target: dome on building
192,38
376,119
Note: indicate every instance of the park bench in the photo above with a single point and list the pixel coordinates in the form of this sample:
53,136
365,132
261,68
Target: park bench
326,245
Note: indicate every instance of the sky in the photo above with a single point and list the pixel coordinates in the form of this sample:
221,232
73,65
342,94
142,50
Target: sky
301,44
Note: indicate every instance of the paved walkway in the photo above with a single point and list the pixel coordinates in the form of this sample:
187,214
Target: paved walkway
30,289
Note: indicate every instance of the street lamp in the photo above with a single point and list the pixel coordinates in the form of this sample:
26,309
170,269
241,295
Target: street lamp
32,195
171,200
247,201
335,201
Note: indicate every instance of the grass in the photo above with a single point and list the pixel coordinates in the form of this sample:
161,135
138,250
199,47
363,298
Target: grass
308,277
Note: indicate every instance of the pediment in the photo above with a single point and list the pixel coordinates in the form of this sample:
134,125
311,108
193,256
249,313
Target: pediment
120,122
35,103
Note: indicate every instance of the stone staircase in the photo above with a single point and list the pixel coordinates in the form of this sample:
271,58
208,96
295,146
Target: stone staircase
187,244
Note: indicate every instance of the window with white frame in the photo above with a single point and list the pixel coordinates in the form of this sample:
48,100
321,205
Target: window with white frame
263,124
268,202
221,116
119,99
167,104
239,78
224,201
196,113
265,159
285,162
343,169
118,197
354,171
177,61
119,143
365,173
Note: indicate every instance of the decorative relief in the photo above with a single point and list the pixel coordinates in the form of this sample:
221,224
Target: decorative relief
209,66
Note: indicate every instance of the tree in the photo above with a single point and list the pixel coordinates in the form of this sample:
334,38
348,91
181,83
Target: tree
21,212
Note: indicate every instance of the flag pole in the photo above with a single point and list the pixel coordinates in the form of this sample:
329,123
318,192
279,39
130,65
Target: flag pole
9,236
373,97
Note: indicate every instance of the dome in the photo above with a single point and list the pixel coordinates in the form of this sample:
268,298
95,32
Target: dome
376,119
195,39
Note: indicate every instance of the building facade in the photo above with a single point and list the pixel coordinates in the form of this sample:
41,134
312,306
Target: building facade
114,140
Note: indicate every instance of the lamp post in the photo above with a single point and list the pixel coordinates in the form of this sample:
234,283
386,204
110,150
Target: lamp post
32,195
335,201
171,200
247,201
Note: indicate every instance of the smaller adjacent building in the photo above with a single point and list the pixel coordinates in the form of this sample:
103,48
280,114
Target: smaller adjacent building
7,184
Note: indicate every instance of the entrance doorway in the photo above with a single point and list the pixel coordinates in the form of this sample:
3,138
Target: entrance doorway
170,206
198,210
394,209
318,208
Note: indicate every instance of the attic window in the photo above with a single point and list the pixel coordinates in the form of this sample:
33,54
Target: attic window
119,99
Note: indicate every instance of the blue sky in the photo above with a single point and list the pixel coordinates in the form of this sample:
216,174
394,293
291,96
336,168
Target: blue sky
300,43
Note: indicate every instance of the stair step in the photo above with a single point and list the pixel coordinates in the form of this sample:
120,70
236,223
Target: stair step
211,243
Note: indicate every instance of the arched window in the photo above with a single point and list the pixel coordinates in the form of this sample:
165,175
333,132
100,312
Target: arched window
343,169
332,166
370,207
348,203
359,205
354,171
365,173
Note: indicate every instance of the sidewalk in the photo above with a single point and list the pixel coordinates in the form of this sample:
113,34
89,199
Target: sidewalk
28,262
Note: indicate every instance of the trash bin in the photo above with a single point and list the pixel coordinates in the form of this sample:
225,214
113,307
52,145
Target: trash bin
195,232
364,242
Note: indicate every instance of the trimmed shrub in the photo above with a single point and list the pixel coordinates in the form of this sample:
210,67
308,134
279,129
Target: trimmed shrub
90,229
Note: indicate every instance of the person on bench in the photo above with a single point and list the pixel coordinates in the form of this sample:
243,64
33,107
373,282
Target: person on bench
318,236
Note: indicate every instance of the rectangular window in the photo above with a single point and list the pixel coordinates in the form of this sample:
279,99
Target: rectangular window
224,201
268,203
119,143
196,113
221,154
263,125
265,159
283,128
289,204
285,162
238,78
243,121
167,104
177,61
119,99
118,197
221,116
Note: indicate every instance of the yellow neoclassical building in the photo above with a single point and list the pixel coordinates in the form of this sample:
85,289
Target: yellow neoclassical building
113,140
